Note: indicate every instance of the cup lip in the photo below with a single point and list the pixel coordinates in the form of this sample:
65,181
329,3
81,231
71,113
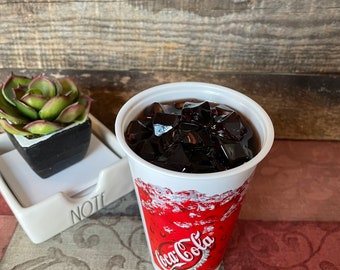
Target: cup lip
158,91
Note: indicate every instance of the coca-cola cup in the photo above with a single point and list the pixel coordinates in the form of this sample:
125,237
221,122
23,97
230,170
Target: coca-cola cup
188,218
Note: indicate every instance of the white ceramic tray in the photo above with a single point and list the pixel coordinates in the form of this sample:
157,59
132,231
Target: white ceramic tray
46,207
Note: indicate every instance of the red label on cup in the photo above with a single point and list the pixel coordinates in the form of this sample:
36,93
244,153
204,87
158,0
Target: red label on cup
187,253
188,229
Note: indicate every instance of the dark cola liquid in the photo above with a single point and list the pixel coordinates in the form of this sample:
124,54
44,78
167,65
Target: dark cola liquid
192,136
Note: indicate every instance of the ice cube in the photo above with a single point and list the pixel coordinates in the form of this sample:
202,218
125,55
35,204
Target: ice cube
174,158
163,123
197,112
137,130
230,126
235,153
152,109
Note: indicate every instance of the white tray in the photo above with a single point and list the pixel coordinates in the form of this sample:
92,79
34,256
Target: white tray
48,209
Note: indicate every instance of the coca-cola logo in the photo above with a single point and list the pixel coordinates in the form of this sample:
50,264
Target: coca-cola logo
186,253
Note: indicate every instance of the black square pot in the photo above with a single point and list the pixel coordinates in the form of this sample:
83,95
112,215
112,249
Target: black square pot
61,150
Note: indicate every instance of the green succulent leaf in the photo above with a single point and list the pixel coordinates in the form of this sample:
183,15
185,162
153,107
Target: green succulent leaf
69,88
13,117
86,102
19,92
13,82
10,112
34,91
8,96
35,101
13,129
26,110
58,86
42,127
42,100
44,84
71,113
54,107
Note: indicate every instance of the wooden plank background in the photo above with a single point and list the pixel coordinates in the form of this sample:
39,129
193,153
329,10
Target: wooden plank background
236,43
281,36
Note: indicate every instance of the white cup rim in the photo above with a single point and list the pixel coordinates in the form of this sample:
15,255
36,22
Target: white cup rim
158,91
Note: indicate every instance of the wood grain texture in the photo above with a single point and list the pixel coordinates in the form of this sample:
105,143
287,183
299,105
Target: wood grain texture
283,36
300,106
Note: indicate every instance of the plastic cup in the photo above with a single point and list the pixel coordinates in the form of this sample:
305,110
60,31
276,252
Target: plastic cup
188,218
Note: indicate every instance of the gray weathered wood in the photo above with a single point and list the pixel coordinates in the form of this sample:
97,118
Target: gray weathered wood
283,36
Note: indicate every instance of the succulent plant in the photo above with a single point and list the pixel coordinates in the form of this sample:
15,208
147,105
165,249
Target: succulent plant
40,105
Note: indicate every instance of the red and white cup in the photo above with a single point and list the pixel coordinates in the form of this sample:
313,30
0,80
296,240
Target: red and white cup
188,218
